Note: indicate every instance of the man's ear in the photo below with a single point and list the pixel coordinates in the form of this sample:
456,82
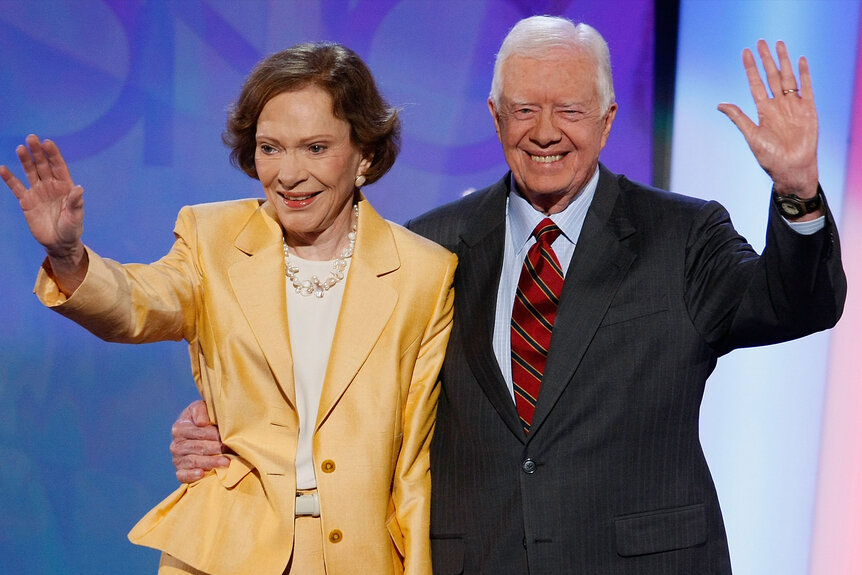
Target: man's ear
609,121
496,116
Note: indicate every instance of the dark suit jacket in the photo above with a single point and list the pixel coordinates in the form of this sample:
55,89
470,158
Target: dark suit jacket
612,478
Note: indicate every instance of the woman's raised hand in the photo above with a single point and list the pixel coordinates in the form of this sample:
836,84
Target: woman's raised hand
53,207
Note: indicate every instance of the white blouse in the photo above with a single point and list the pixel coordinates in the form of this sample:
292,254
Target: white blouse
312,326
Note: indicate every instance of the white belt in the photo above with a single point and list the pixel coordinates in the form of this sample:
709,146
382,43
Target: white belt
307,504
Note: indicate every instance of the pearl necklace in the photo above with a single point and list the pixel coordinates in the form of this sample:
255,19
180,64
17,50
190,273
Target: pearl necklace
314,286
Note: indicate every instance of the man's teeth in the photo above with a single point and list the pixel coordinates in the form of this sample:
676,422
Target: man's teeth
546,159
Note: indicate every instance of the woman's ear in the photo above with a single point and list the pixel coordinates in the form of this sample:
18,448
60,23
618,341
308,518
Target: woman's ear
365,163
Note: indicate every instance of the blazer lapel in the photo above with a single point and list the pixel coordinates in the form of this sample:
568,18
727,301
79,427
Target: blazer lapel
365,310
480,263
259,285
603,255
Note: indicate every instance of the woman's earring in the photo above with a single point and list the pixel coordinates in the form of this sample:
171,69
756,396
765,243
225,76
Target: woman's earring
359,181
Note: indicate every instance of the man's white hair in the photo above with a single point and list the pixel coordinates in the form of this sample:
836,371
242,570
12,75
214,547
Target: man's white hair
532,37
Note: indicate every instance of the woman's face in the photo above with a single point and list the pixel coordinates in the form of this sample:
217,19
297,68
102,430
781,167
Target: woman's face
307,165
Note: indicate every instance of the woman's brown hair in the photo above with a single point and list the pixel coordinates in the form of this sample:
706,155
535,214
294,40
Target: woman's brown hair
374,125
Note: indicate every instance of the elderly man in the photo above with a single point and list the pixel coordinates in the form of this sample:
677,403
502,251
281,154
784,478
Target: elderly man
589,312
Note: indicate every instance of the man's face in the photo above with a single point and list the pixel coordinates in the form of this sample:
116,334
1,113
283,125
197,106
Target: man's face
550,123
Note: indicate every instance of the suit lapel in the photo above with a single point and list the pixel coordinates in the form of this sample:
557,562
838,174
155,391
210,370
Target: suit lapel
480,262
602,257
368,303
259,285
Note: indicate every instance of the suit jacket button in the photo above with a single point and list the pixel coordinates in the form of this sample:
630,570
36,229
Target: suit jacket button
328,466
335,536
529,466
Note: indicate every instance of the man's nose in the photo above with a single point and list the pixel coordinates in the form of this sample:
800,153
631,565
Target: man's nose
545,132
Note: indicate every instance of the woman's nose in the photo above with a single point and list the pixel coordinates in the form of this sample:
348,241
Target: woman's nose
291,172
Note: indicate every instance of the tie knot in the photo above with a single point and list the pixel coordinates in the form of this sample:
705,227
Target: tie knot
546,232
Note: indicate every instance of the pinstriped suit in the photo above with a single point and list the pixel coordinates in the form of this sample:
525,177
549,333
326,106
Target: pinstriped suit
612,479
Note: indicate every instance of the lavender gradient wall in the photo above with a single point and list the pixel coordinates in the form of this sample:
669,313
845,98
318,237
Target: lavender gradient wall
135,94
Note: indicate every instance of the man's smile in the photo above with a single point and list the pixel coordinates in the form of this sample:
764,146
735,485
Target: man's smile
546,159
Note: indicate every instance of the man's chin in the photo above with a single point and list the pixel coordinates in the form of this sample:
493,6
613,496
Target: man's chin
547,199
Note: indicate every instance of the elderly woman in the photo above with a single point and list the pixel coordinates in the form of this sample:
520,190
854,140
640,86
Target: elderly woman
316,330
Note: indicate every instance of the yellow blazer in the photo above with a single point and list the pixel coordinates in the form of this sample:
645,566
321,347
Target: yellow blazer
222,288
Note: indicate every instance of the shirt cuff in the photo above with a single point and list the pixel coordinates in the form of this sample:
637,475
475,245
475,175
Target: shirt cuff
807,228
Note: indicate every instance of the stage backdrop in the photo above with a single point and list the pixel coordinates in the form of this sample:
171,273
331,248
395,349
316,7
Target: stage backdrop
779,424
135,93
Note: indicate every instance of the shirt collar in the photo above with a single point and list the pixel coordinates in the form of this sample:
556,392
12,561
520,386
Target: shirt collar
523,218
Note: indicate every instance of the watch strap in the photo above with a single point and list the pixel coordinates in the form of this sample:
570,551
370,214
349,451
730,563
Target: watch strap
792,206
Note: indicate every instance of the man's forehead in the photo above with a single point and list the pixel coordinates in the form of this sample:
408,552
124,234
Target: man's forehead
563,100
562,81
553,56
555,67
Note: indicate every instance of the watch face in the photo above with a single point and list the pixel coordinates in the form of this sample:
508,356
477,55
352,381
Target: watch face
792,207
789,208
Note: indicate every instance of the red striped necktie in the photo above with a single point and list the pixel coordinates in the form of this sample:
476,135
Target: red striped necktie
533,313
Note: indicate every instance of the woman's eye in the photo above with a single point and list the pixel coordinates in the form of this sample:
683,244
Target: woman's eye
267,149
316,148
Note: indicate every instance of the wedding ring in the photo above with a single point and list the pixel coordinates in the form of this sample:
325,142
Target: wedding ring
790,91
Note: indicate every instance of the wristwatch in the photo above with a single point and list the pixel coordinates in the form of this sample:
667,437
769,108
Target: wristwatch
793,207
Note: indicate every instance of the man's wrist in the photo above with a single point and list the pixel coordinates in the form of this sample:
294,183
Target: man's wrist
795,208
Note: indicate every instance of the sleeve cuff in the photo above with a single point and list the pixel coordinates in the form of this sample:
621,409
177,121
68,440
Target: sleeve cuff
807,228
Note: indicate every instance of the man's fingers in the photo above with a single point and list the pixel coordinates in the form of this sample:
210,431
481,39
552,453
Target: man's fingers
196,445
805,88
788,79
755,82
199,414
186,430
190,468
773,76
738,117
189,475
204,462
206,447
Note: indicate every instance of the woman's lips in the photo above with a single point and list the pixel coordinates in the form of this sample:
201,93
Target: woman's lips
297,200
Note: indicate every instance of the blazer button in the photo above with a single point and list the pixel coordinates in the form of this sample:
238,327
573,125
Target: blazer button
529,466
328,466
335,536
